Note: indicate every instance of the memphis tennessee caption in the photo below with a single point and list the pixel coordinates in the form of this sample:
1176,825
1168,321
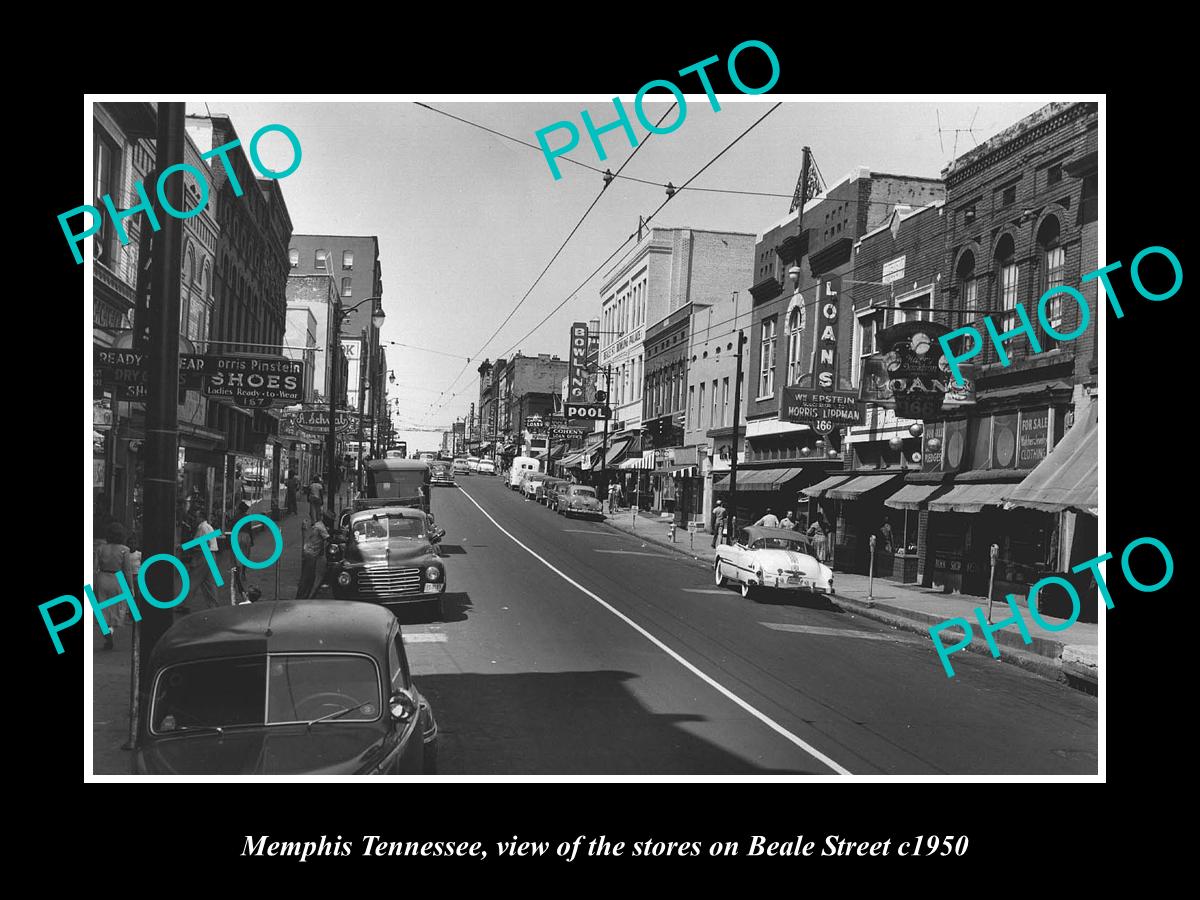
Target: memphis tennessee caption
833,845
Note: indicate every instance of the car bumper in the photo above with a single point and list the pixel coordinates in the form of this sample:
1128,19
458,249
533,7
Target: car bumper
806,585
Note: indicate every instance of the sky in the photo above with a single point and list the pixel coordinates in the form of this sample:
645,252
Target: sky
467,220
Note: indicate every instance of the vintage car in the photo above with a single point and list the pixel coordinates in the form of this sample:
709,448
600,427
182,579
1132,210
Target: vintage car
486,467
387,555
579,500
529,484
289,687
441,473
462,466
396,482
473,463
771,558
543,489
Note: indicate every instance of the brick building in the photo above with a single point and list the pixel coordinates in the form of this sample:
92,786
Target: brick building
250,289
1021,212
512,390
781,457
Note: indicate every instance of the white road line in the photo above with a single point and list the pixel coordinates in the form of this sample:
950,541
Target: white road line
633,553
841,632
761,716
424,637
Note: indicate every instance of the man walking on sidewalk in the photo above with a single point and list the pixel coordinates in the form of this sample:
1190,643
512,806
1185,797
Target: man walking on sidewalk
316,495
293,490
718,523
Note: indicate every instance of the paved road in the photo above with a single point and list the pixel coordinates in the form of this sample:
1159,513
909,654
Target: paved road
569,647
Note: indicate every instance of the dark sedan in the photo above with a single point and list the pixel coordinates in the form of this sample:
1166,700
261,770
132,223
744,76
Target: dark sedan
579,500
292,687
387,555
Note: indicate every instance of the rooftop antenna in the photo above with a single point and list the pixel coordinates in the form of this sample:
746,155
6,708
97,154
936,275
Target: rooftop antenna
970,129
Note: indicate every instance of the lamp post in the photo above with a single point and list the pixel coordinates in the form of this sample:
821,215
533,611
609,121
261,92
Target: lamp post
339,314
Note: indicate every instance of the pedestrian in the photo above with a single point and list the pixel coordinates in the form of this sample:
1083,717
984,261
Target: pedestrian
200,572
316,495
770,520
885,532
293,490
243,510
818,534
718,523
112,556
787,522
312,557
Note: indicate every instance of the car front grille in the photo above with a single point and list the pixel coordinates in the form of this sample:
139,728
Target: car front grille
385,582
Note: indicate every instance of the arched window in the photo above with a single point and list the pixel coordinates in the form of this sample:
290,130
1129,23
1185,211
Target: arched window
206,285
1004,261
1053,268
294,257
347,259
190,265
320,261
968,286
346,287
795,327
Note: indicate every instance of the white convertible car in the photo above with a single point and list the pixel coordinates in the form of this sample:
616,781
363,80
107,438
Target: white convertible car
771,557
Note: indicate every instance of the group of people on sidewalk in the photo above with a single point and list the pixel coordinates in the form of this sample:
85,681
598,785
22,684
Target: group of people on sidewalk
818,531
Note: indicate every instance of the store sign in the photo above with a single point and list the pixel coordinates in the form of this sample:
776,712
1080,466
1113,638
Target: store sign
622,343
825,409
316,422
564,431
931,449
912,374
825,359
594,411
255,381
1035,427
893,270
577,364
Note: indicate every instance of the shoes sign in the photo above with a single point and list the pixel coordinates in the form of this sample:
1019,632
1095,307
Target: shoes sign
249,381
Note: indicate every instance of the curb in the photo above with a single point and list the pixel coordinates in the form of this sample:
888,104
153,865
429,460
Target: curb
1043,657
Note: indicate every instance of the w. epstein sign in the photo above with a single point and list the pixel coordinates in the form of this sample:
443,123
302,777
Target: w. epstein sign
911,372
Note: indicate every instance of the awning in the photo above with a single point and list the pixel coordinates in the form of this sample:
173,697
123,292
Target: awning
862,484
1067,477
914,496
969,498
645,461
818,490
759,479
616,452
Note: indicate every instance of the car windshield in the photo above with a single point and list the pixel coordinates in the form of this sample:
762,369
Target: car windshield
270,690
389,526
776,543
582,492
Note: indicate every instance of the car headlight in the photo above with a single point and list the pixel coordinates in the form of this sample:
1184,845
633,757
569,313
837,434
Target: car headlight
344,579
433,573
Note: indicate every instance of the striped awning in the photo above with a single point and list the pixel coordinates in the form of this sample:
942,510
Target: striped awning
970,498
759,479
818,490
914,496
862,484
645,461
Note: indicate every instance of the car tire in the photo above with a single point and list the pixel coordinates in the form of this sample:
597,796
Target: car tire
717,576
748,590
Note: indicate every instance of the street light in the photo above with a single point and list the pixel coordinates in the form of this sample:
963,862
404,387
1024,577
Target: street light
339,315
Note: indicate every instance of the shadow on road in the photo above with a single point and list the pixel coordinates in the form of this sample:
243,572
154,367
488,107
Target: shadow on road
552,723
451,550
454,609
797,599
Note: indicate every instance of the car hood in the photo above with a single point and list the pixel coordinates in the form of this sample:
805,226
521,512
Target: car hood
390,552
788,560
328,749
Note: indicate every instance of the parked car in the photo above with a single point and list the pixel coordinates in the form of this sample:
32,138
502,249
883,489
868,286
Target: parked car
387,555
285,687
776,558
486,467
441,472
522,466
555,495
579,500
462,466
544,488
529,484
473,463
396,482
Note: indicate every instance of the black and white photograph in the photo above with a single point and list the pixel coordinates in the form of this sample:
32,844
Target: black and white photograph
731,435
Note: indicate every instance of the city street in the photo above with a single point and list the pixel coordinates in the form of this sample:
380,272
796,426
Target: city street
541,667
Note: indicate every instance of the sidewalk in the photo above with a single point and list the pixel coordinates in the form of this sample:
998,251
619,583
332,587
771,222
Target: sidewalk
111,668
1070,655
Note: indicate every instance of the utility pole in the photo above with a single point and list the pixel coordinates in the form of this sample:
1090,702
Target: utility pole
733,456
604,444
161,446
335,364
364,356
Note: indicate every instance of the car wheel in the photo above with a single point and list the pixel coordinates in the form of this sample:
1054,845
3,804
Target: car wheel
747,589
717,576
429,759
